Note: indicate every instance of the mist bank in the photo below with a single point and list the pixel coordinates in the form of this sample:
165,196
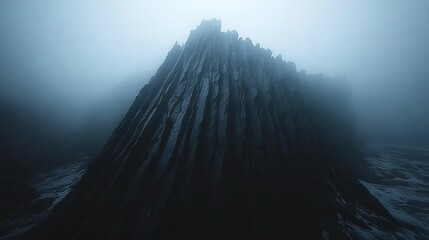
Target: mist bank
48,134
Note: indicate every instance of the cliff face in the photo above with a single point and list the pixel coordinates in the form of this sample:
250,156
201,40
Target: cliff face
218,145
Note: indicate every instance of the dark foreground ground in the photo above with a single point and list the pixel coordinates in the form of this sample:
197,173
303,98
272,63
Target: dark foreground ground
402,185
401,182
52,187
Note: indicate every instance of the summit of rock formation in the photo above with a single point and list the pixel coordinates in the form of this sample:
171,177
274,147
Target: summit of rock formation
220,144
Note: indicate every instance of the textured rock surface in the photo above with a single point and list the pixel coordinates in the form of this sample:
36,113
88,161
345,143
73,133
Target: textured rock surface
218,145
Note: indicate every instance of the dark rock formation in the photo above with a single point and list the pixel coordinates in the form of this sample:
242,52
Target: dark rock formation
218,145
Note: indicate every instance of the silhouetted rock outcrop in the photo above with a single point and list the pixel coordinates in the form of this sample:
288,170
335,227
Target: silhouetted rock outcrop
218,145
331,103
331,109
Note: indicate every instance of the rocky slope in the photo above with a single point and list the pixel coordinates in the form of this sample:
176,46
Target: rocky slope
220,144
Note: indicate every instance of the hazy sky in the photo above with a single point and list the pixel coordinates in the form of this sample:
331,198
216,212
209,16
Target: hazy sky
78,50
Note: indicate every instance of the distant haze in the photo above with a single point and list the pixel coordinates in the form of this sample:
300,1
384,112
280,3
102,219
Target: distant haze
59,57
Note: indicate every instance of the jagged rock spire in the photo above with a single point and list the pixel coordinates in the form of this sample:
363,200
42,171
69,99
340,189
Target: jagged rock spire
218,145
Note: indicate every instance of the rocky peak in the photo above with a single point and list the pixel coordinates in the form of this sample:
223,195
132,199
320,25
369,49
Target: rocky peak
219,144
212,25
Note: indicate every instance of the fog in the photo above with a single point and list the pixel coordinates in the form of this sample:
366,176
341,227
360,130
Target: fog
61,59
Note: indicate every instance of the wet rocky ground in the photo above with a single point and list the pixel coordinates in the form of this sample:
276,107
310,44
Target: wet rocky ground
51,186
402,186
401,183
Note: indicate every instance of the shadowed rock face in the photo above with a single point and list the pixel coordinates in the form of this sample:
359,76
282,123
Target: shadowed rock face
218,145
